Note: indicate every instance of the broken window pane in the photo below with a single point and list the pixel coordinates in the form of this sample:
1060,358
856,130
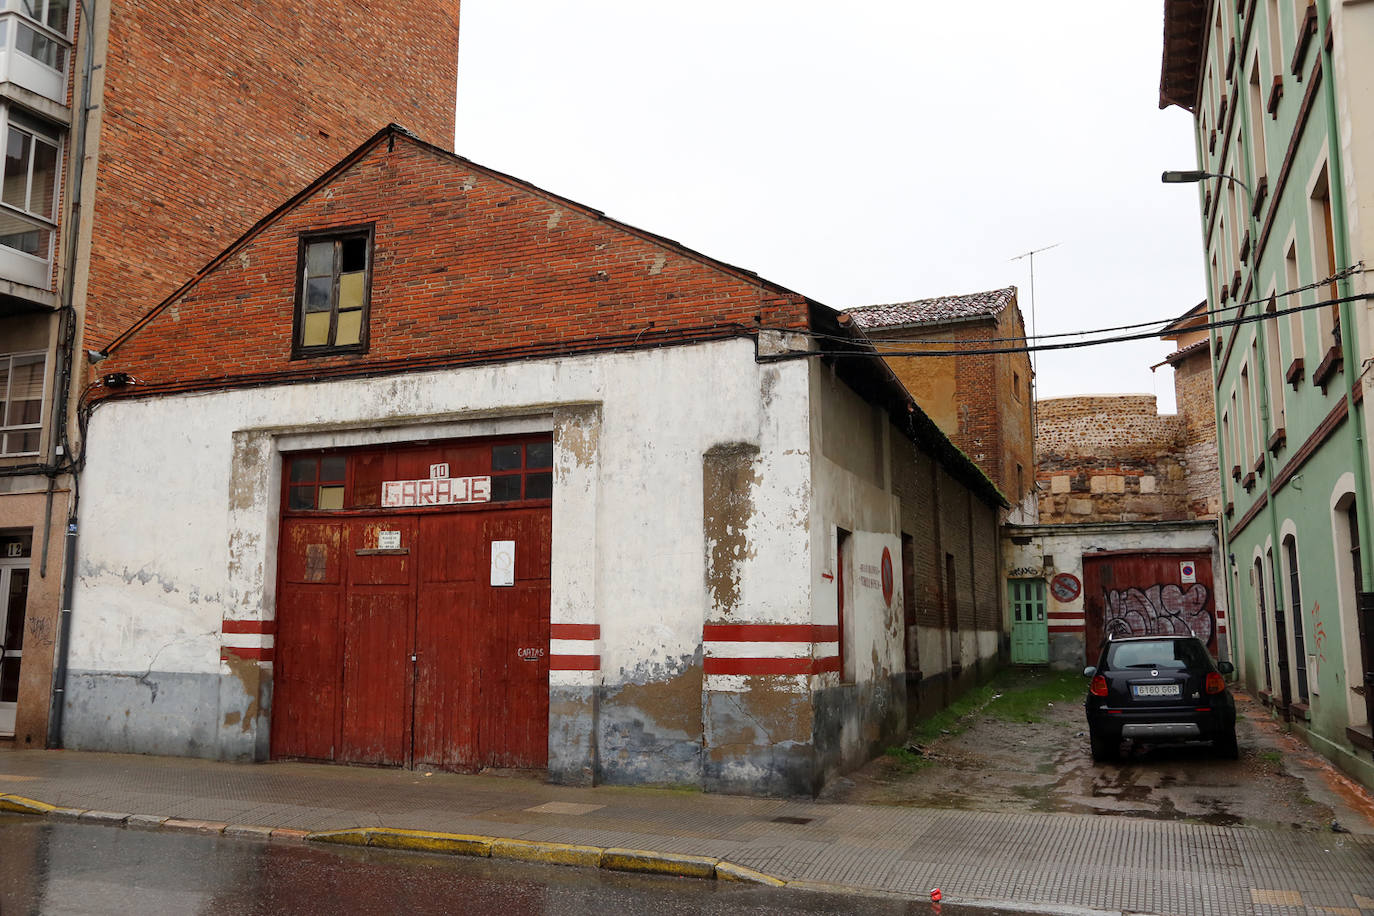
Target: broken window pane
334,285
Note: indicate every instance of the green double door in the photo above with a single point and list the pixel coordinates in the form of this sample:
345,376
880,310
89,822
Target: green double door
1030,629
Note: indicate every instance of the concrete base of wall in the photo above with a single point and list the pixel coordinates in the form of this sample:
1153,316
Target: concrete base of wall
856,722
154,712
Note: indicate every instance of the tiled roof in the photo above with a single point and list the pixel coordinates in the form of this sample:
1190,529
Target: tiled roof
942,308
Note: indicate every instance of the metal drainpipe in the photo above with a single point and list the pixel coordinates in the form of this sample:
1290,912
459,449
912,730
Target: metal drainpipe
1349,354
57,704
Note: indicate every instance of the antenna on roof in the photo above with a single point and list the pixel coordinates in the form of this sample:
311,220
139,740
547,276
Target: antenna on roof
1033,380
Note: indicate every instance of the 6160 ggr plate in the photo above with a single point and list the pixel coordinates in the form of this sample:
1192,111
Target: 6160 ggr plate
1155,690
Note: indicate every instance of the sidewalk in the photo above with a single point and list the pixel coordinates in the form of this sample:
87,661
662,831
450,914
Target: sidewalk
1050,862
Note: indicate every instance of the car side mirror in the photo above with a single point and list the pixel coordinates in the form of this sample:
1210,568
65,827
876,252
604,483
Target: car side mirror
1089,671
1226,667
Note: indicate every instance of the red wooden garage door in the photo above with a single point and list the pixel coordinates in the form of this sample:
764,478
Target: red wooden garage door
394,645
1147,593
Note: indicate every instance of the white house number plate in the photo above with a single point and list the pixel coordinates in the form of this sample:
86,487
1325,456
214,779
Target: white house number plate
1155,690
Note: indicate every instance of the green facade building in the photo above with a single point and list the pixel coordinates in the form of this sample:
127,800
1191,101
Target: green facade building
1282,97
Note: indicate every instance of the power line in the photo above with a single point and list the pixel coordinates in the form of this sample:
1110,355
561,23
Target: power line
1339,275
1071,345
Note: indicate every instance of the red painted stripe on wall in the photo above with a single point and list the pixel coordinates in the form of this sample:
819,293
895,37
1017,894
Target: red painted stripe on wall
574,662
254,654
770,632
248,626
574,631
1067,629
712,665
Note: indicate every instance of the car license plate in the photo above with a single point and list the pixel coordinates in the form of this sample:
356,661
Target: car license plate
1155,690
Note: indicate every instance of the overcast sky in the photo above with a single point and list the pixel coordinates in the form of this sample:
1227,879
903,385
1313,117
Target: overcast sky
865,152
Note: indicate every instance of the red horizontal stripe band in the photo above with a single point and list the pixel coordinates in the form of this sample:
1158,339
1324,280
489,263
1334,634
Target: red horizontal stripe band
248,626
254,654
574,631
712,665
574,662
770,632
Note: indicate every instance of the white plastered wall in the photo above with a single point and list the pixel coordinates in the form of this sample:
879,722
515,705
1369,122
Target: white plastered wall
181,495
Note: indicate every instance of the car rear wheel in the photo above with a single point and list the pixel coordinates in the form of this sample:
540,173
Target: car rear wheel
1227,747
1103,748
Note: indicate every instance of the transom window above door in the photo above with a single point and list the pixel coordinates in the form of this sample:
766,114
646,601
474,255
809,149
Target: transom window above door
519,469
333,295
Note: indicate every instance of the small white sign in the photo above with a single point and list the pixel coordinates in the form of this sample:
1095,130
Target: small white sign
388,540
1187,572
502,563
438,470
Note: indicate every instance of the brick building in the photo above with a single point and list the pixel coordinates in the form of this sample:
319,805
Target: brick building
142,140
480,477
981,401
1127,541
1192,365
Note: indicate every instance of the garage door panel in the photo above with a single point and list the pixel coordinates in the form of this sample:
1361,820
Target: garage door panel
451,549
515,711
448,676
376,677
305,697
310,552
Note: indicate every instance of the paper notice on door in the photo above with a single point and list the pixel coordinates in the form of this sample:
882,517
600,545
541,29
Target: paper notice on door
388,540
502,563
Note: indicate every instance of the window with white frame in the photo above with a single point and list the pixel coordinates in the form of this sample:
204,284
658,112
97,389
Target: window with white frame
21,403
42,30
28,186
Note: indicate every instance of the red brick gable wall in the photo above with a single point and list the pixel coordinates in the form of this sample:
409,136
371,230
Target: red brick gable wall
213,113
467,266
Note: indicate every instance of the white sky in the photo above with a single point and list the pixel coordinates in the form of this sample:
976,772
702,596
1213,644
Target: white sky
873,151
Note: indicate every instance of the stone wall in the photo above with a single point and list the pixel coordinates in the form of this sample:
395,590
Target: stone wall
1110,459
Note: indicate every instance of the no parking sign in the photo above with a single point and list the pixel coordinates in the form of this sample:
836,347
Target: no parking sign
1187,572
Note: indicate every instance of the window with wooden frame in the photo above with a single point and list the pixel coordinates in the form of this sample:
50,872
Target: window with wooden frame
334,291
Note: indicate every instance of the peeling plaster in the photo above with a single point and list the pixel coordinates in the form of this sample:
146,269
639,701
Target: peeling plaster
729,474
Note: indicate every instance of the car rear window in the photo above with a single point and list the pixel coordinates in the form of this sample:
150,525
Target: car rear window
1161,653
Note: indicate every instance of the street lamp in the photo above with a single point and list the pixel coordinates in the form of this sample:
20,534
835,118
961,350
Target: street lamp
1195,175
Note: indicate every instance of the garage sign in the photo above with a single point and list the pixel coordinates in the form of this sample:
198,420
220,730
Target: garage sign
436,491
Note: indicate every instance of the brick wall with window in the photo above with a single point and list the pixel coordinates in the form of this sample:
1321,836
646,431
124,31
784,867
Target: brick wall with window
212,114
465,265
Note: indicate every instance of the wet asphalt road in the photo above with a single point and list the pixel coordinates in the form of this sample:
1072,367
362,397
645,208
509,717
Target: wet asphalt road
49,867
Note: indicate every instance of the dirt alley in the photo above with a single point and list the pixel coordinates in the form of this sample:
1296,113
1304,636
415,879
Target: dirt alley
998,765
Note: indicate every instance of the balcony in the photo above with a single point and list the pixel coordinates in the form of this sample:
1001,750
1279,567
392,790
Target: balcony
35,52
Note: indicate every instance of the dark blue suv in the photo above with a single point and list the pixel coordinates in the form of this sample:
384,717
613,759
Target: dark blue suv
1159,689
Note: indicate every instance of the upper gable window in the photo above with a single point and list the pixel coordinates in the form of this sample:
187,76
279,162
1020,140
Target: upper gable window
334,289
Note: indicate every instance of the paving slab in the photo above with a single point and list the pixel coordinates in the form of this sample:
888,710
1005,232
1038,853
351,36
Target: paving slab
1050,862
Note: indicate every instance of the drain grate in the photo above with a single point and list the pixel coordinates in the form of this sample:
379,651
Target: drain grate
792,820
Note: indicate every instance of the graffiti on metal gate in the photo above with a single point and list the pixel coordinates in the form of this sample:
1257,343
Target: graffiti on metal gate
1160,610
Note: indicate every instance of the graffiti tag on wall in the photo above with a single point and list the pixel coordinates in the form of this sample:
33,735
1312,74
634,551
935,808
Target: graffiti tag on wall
1160,610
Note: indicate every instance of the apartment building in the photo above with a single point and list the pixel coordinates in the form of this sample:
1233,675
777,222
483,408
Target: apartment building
1285,165
140,139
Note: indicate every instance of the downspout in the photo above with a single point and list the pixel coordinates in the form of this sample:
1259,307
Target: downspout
59,683
1349,354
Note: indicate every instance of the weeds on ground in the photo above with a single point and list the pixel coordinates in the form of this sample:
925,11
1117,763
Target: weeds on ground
907,760
1273,757
1027,695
